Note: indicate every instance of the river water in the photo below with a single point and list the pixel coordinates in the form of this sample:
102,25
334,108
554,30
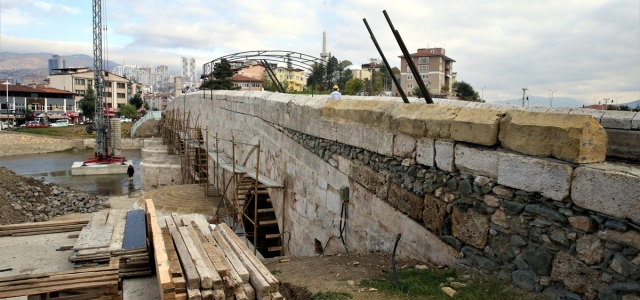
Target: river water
56,168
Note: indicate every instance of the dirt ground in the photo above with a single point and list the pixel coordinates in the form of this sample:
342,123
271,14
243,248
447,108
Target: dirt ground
71,132
148,129
302,277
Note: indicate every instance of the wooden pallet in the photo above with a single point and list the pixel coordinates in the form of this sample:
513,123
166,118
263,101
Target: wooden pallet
37,228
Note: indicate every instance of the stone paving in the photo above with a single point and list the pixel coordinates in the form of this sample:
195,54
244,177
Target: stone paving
181,199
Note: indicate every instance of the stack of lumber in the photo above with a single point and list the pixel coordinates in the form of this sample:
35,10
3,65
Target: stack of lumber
115,233
87,283
193,262
37,228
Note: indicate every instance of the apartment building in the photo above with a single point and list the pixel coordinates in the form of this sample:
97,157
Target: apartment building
434,67
247,83
44,102
77,80
189,71
296,78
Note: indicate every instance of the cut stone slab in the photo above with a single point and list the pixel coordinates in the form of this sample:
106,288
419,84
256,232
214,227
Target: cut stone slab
569,137
403,146
551,179
635,122
575,275
94,237
476,161
406,201
609,189
425,152
477,126
590,249
434,213
445,155
617,119
370,113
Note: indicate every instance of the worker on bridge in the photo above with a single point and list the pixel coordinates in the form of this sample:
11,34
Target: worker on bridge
335,95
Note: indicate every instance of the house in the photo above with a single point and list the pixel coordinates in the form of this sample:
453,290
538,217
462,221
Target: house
44,102
296,78
434,67
247,83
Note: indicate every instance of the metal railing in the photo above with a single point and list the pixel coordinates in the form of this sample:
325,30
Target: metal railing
150,115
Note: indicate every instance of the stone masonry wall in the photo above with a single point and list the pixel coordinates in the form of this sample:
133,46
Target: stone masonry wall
501,192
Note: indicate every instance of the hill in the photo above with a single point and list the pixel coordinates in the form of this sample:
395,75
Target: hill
40,61
632,104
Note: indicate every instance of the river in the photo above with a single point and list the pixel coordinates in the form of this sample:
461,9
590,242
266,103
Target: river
56,168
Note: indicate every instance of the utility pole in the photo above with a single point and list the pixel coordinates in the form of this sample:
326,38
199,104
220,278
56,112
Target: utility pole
551,97
617,107
482,94
523,93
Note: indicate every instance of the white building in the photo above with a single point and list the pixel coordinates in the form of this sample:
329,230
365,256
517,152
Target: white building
189,71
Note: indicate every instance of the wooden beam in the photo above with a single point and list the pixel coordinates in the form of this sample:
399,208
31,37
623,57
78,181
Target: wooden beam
189,269
159,250
231,256
208,263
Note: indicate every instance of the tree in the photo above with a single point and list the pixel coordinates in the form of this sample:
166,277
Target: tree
353,86
221,80
467,92
444,89
332,68
128,111
345,76
29,115
146,105
88,103
318,73
136,101
418,92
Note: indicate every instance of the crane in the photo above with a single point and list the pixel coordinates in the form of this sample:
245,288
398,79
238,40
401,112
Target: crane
101,122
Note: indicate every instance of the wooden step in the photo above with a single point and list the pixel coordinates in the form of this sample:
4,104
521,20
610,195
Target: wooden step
260,192
275,248
272,236
265,210
267,222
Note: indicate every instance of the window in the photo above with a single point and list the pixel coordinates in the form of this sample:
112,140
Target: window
423,68
70,108
425,76
79,81
423,60
439,67
80,92
89,82
432,51
121,85
289,77
245,84
408,69
409,77
409,85
281,77
121,95
256,84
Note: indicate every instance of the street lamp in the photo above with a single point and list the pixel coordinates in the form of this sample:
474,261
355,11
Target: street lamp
617,107
7,83
551,97
482,94
524,90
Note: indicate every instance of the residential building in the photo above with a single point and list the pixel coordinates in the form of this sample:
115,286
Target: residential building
44,102
247,83
189,71
296,78
251,69
77,80
433,66
56,63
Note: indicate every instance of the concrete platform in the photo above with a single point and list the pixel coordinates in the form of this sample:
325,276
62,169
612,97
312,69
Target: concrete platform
181,199
99,169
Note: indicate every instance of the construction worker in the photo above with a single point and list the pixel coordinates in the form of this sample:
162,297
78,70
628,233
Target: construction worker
335,95
130,172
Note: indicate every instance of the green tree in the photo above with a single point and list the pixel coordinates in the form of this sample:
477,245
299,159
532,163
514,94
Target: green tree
637,108
345,76
128,111
444,89
625,107
467,92
418,92
29,115
332,68
316,80
136,101
353,86
221,80
146,105
88,103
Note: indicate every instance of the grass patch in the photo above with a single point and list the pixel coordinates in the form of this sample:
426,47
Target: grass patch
331,296
427,284
276,271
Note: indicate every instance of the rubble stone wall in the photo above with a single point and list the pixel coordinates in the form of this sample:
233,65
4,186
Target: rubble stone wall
522,195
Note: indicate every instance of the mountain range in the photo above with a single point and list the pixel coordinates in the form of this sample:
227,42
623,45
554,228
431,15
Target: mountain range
557,102
38,61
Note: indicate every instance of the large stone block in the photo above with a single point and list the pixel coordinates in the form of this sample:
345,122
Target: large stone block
470,227
417,242
476,161
617,119
409,119
445,155
623,143
406,202
575,275
370,113
477,126
404,146
609,189
574,138
635,122
434,213
629,238
425,152
551,179
375,182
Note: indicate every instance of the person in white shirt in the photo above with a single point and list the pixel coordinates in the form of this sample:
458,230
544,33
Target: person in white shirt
335,95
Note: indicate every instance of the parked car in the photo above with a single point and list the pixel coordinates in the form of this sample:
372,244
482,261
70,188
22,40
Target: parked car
5,125
34,124
60,123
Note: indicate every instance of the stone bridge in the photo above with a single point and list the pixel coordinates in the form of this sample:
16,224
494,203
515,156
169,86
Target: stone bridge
522,194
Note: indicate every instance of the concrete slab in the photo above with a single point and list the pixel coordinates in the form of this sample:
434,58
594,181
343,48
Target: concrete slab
99,169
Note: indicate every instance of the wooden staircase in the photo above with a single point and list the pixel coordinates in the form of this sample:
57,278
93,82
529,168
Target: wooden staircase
266,237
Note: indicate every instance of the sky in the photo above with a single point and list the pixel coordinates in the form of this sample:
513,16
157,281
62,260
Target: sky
587,50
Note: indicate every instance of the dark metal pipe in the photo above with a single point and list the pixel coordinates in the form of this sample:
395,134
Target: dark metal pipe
409,60
384,59
273,76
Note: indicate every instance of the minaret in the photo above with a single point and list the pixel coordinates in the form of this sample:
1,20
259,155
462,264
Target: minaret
324,55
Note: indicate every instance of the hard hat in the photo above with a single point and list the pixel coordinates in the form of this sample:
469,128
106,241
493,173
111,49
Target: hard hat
335,86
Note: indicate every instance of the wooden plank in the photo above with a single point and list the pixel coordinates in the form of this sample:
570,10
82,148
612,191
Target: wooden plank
204,253
117,218
230,236
135,233
261,285
218,295
276,296
159,251
189,269
174,262
69,227
206,274
249,292
207,294
49,289
231,256
213,250
84,219
56,278
99,218
194,294
94,237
